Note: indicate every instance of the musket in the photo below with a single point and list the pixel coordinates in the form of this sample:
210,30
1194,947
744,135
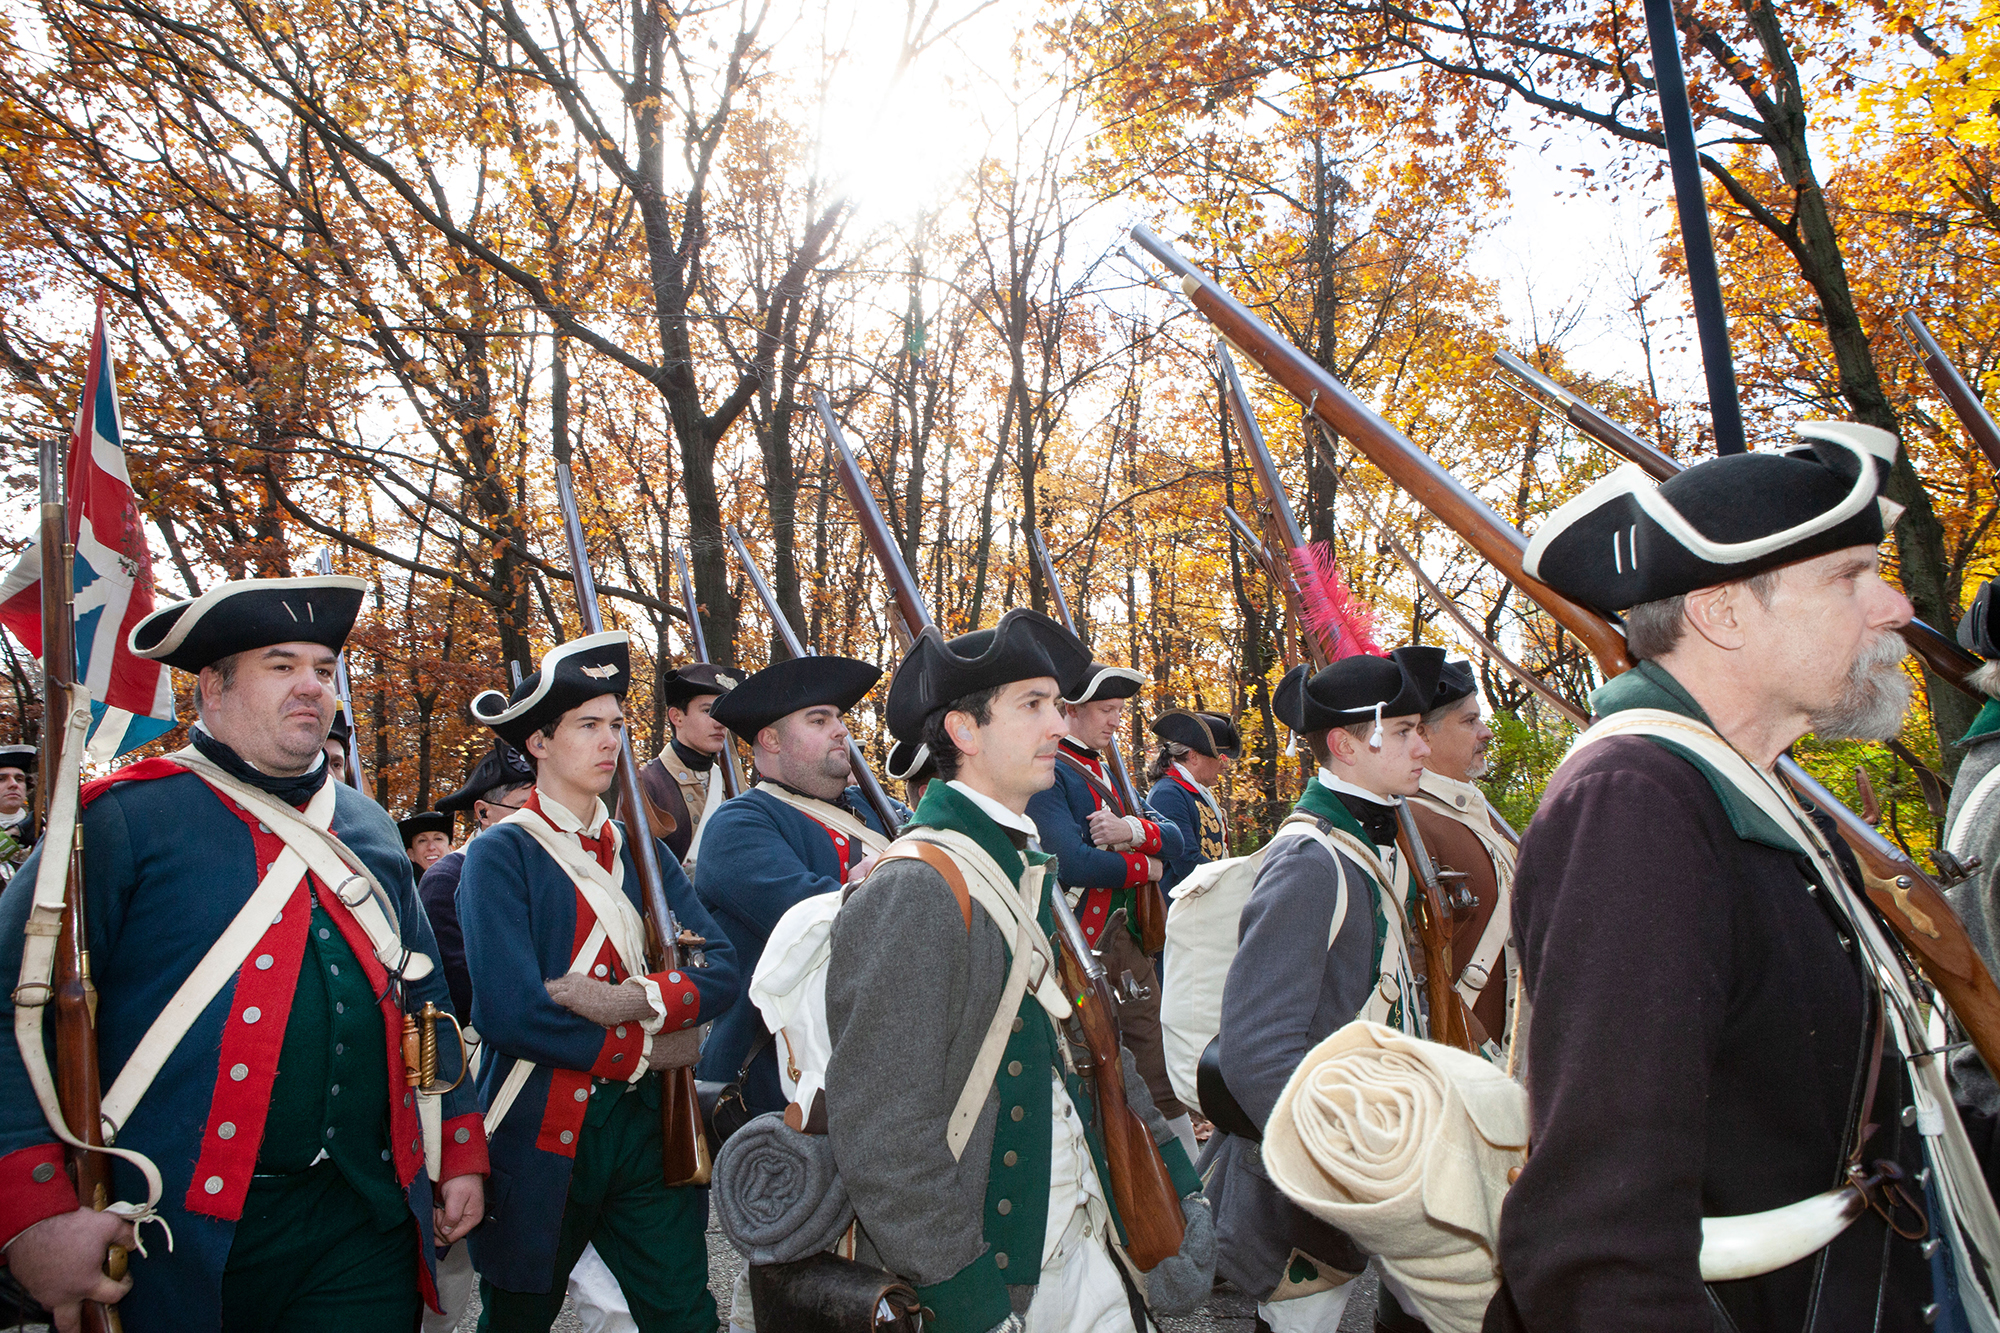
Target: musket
864,777
683,1143
341,688
1906,898
1280,576
79,1088
1150,904
1941,653
732,776
1147,1203
1964,402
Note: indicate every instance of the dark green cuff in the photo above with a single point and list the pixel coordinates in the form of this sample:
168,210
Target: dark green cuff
973,1299
1179,1169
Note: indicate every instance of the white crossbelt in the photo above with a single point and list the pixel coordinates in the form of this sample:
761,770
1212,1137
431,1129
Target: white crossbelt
830,815
717,793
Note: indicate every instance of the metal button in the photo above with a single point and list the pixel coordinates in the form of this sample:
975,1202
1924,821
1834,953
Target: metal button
333,968
687,997
325,934
687,1022
674,977
462,1136
264,962
335,1089
583,1094
618,1056
213,1184
329,1131
278,919
1017,1025
619,1032
252,1014
385,1154
340,1048
44,1173
226,1130
239,1072
1014,1068
1004,1207
1011,1158
339,1008
416,1145
999,1260
1017,1113
566,1137
406,1099
263,827
600,969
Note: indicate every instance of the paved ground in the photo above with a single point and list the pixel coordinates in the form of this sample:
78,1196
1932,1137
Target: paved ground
1227,1311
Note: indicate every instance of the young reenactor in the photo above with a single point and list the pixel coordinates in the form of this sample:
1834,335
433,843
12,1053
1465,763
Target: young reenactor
684,782
289,1144
574,1026
17,816
1195,750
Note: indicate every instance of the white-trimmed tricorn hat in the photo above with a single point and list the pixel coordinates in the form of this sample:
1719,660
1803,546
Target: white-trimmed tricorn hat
238,616
1102,681
1626,541
571,675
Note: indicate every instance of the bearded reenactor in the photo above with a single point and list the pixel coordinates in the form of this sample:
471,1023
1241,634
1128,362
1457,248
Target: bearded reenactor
684,783
1195,750
1324,940
1972,826
575,1027
426,838
982,1181
1106,857
1707,994
291,1149
1462,833
17,816
799,832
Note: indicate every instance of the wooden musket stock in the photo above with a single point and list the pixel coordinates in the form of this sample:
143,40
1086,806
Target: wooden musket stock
683,1142
732,776
1908,901
1140,1185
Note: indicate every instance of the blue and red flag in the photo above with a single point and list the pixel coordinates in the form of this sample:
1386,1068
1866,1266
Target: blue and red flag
131,698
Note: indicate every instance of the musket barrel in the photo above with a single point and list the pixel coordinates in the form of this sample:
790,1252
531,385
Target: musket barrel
1964,401
732,777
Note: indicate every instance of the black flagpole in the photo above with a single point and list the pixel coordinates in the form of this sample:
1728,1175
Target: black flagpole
1712,326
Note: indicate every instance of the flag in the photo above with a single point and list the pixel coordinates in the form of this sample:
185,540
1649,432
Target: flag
131,698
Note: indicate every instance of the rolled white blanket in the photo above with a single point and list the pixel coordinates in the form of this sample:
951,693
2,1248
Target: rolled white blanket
1405,1145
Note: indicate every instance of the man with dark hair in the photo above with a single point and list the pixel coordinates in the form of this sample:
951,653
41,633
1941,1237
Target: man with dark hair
1195,750
975,1172
1717,1027
574,1025
17,817
335,747
234,883
1110,860
1324,941
684,782
1462,833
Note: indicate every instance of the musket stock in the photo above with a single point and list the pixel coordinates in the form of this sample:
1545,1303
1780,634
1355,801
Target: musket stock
864,776
683,1143
732,776
1905,897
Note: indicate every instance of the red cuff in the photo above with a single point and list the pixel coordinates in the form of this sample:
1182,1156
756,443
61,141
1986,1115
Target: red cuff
464,1147
1150,843
33,1188
619,1055
683,1001
562,1117
1137,871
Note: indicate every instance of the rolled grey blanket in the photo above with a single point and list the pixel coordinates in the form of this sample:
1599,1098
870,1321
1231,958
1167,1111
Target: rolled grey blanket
777,1194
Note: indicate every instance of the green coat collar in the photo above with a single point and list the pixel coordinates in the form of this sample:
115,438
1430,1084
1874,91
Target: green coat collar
1649,685
1321,803
945,807
1985,726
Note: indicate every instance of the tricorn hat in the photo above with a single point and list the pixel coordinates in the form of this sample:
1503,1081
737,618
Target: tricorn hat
1102,681
1194,731
937,672
784,688
1455,682
1228,738
1975,627
571,675
501,766
684,684
910,760
341,731
22,757
250,613
1626,541
427,821
1361,688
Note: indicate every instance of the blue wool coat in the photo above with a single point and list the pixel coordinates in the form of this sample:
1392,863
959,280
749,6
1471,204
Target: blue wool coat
759,859
518,910
1062,821
1201,829
167,866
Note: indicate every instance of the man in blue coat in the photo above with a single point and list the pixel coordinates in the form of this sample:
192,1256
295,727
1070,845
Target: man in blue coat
289,1143
575,1027
799,832
1107,857
1195,750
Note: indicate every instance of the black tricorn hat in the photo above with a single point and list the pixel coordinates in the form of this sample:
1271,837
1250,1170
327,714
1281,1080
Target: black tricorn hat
1625,541
22,757
1101,680
910,760
340,732
1975,627
1178,726
784,688
1455,682
427,821
684,684
250,613
936,672
501,766
571,675
1228,738
1362,688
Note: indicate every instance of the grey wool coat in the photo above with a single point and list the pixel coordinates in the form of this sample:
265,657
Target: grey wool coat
1977,900
1287,990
